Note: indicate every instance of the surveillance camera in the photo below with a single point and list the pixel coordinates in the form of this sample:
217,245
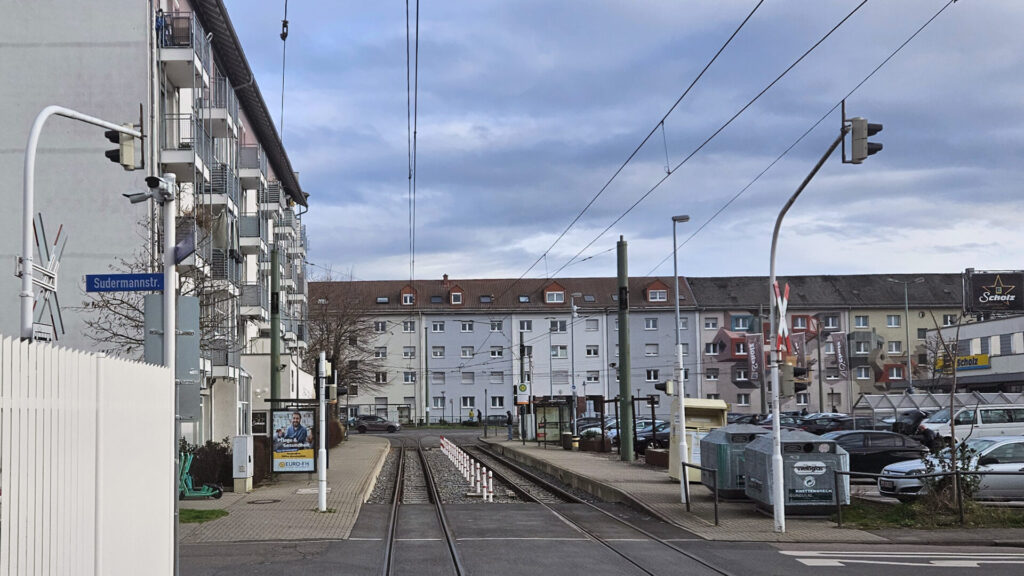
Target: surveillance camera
155,182
138,197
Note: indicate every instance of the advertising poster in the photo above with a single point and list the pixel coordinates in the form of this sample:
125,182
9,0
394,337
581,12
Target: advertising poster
994,291
294,440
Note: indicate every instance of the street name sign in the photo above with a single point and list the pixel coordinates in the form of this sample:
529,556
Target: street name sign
124,282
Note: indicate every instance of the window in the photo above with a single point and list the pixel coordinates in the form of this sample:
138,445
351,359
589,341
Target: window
409,377
467,352
560,377
559,352
800,322
456,298
860,321
742,375
437,352
922,333
468,401
526,325
437,402
861,347
497,351
711,374
524,299
496,325
437,326
558,326
743,399
593,351
380,326
895,347
380,352
949,319
616,323
380,377
830,347
922,359
686,373
831,322
896,373
650,323
467,325
713,396
497,401
468,377
436,299
801,398
554,297
408,299
686,348
652,375
408,326
657,295
741,348
650,349
892,320
589,298
408,352
684,323
741,323
497,377
711,323
591,325
711,348
437,378
486,299
528,351
593,377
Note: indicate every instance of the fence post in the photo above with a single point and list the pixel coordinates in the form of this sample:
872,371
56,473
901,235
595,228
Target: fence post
714,479
959,495
839,506
686,478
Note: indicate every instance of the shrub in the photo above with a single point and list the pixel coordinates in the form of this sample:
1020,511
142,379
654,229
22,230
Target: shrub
211,463
940,488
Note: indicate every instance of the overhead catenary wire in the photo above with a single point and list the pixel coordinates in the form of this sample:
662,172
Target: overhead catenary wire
804,134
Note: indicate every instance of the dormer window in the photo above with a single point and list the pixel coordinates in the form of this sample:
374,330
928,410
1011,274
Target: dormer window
657,295
408,299
524,299
456,297
554,297
383,299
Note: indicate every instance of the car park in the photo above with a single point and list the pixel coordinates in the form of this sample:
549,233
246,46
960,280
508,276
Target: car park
995,454
371,422
872,450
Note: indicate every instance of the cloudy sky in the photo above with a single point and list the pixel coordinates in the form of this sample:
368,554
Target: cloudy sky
528,108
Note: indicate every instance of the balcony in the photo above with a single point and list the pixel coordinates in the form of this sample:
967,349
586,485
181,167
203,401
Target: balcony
298,246
255,302
252,167
223,190
225,271
184,50
225,358
287,225
252,235
197,263
218,108
273,200
186,148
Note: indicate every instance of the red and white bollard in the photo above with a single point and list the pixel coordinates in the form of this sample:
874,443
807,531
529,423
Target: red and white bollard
477,486
490,486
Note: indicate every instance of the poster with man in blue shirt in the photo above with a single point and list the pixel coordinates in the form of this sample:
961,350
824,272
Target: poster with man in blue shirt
293,441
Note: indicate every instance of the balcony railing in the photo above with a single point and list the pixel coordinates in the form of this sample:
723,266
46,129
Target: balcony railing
183,30
253,157
223,181
186,132
224,353
254,294
220,95
251,227
224,267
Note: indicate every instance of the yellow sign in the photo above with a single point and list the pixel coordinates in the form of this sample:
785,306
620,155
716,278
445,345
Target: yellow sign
973,362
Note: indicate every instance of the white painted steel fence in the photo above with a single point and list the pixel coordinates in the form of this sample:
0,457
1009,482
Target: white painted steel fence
86,463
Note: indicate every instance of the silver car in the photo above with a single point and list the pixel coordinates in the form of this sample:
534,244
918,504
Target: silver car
996,454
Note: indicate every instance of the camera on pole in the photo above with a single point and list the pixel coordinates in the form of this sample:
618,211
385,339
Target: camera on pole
860,148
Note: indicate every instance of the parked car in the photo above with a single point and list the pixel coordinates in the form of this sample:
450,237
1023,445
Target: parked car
974,421
872,450
785,421
367,422
908,421
748,419
995,454
821,425
652,436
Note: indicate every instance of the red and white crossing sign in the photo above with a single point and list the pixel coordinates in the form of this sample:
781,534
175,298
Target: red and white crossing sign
782,343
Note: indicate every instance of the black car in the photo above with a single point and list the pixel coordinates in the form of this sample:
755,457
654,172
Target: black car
872,450
656,437
832,423
908,422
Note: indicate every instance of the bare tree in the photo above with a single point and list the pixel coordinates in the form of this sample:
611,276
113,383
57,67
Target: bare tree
341,327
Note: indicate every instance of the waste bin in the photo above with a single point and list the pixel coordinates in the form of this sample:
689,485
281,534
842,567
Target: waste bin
808,462
723,450
567,440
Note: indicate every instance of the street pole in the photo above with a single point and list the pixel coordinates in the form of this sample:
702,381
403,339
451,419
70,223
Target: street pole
321,382
778,490
170,336
684,484
906,314
625,405
572,357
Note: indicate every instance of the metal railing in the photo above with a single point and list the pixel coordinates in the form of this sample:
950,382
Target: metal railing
714,482
224,267
223,181
253,157
220,95
251,227
224,353
183,30
186,132
956,473
253,294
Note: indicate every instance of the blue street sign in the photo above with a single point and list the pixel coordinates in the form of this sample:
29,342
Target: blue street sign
124,282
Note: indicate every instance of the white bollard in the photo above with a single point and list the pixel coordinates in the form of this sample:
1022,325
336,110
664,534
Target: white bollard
490,486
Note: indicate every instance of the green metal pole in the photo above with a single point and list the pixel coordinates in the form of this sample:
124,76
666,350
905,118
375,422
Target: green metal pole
625,406
275,325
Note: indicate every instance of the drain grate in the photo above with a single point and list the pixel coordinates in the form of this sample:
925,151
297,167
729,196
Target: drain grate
264,501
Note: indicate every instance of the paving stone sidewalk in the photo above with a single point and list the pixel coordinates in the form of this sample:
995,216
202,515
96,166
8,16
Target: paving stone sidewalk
287,508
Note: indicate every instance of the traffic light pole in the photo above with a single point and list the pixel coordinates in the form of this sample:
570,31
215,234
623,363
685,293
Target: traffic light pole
778,490
27,295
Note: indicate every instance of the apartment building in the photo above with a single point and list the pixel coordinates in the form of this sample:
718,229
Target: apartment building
461,345
179,68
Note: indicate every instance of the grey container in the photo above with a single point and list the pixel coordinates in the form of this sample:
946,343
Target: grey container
808,463
723,449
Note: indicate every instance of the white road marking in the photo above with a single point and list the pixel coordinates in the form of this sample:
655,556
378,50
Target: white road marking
829,558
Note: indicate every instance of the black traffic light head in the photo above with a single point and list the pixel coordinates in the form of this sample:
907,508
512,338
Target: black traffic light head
126,153
860,148
665,387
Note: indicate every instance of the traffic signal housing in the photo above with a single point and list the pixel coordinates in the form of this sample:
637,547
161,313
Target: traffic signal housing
665,387
860,148
129,148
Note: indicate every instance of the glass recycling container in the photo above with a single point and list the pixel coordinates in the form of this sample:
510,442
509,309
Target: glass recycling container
808,465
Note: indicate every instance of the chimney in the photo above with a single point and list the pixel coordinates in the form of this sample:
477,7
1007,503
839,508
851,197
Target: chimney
445,283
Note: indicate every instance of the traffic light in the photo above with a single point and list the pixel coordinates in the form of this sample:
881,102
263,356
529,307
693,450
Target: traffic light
665,387
125,154
787,382
860,148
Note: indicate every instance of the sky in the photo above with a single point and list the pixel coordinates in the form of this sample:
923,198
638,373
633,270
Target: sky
526,110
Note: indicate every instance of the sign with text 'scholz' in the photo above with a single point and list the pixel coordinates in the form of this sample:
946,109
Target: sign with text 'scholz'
994,291
124,282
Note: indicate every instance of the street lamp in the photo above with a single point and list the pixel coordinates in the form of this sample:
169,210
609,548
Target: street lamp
572,356
684,486
906,313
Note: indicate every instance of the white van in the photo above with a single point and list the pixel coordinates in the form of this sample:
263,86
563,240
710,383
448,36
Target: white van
975,421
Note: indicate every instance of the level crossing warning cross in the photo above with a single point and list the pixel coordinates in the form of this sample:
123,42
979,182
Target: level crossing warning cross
782,300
